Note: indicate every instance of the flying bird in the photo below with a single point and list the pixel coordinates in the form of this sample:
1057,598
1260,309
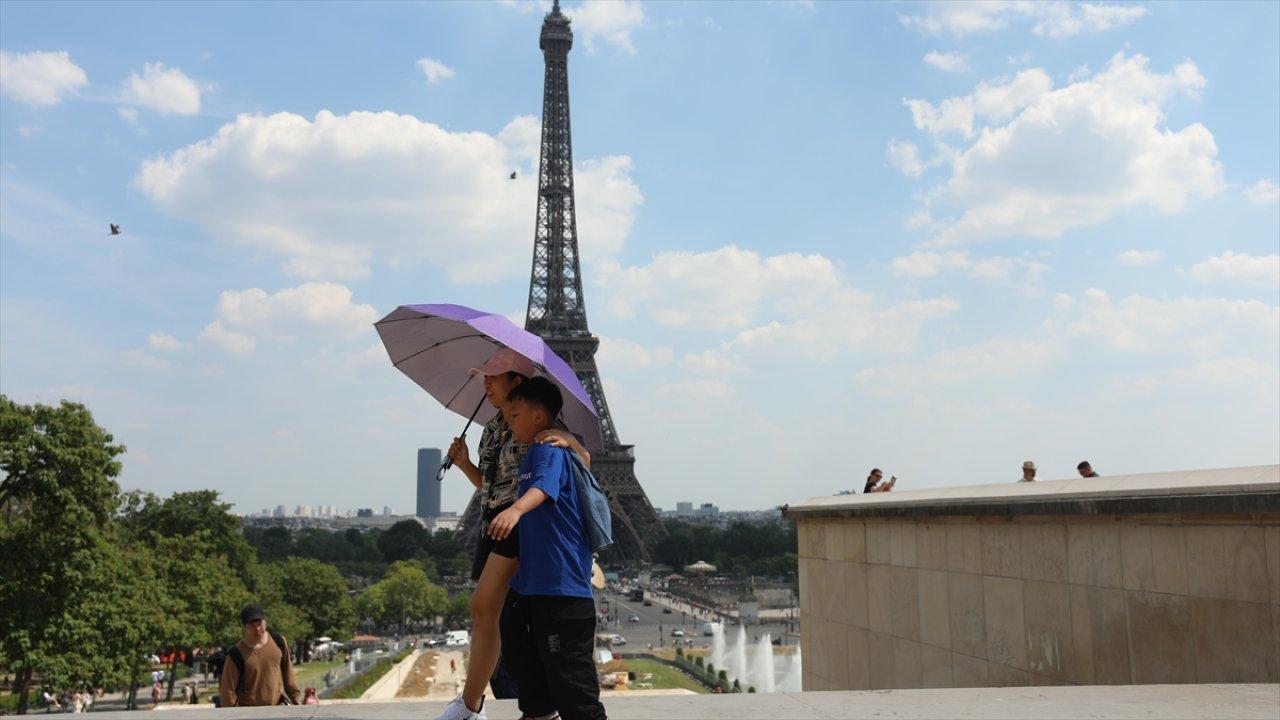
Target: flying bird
513,176
115,229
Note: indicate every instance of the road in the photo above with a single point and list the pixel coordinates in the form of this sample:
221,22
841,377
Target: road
652,619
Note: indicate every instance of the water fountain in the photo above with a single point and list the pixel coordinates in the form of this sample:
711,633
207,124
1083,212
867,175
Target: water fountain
737,668
754,665
717,645
791,683
762,665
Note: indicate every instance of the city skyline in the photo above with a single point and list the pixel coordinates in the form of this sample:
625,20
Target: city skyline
942,238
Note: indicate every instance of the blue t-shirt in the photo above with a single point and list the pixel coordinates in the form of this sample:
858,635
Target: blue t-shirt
554,557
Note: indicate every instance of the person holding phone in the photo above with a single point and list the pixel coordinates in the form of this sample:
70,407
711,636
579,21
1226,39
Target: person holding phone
875,482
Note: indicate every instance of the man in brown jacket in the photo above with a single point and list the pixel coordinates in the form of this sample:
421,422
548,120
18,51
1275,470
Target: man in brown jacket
258,670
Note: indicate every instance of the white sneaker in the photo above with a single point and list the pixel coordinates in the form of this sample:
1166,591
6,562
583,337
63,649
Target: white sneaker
458,710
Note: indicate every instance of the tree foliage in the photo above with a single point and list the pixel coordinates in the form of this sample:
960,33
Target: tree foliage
318,592
57,500
767,549
405,596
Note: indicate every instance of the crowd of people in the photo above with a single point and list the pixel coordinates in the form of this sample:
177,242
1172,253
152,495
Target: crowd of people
876,482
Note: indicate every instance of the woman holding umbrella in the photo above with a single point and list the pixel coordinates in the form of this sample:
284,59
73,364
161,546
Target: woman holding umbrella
495,476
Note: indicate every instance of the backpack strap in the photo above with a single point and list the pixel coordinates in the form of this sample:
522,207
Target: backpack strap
234,655
284,659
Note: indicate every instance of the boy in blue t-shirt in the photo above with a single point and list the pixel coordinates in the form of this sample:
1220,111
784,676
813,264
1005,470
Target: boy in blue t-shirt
549,622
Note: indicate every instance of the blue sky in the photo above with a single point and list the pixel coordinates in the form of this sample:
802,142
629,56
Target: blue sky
818,237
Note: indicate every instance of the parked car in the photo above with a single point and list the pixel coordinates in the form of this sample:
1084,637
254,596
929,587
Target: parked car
666,611
677,633
617,640
634,618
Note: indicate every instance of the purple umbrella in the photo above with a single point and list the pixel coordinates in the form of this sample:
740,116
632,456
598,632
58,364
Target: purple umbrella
437,345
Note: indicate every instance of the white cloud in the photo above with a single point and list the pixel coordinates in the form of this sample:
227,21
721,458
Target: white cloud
625,356
788,306
1022,272
39,78
218,336
1055,19
947,62
701,389
163,342
333,194
320,310
709,362
1024,178
435,70
717,290
1137,258
28,131
608,20
210,371
128,114
141,358
993,102
313,306
1201,325
167,91
906,157
848,320
1263,192
1061,19
1001,358
1240,269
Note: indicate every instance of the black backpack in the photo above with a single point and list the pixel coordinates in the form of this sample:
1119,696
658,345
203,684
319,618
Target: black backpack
235,656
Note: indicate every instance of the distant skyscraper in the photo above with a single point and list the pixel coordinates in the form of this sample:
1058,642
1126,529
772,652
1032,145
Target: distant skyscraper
279,511
428,488
684,508
386,510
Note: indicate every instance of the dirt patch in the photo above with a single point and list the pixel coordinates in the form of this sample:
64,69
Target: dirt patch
421,676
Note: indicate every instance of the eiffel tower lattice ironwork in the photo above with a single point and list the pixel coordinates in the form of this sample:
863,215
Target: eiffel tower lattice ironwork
557,311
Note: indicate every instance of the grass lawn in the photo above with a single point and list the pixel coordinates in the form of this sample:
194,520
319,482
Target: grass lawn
309,673
663,675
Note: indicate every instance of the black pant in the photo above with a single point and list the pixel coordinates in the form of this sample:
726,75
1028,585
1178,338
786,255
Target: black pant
546,646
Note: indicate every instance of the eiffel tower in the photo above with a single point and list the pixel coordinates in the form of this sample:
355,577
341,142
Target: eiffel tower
557,311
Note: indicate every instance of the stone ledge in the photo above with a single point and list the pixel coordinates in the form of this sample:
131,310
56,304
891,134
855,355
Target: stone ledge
1254,489
1131,701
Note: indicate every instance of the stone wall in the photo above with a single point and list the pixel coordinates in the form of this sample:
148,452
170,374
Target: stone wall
918,594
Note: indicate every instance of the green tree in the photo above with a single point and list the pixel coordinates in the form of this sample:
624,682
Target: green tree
200,514
458,610
406,595
273,544
206,591
406,540
319,594
57,500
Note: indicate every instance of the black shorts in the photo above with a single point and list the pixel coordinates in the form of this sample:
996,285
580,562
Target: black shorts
507,547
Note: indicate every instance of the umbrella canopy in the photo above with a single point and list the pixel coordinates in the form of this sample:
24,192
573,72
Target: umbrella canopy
437,345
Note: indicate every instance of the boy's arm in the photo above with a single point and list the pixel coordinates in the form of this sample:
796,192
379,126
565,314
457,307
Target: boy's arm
501,526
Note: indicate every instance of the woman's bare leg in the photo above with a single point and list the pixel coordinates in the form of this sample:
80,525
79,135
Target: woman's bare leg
486,608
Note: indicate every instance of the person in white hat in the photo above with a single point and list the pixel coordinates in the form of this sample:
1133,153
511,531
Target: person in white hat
495,476
1028,472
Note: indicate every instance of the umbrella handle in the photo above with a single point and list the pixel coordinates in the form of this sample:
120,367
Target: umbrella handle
448,463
